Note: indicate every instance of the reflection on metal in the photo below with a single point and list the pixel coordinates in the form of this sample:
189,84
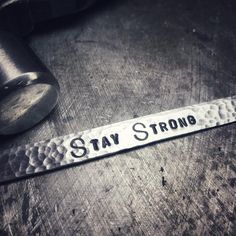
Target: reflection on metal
75,148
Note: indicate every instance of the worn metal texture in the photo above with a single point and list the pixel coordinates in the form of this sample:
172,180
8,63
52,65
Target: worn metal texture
103,141
122,60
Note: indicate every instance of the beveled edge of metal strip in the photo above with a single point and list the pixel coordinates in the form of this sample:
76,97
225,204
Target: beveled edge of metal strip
30,159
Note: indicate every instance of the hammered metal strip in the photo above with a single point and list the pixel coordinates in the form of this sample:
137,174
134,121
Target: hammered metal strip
75,148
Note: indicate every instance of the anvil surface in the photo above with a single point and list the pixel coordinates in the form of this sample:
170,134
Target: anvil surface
120,60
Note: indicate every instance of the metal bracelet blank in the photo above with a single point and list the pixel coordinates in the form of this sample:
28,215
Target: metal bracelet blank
82,146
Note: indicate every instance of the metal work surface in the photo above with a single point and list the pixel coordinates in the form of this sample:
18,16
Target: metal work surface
124,60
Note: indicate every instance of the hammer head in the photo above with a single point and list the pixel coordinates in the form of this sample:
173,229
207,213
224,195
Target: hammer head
26,106
28,90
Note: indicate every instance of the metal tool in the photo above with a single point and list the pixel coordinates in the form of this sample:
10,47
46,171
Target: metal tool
28,91
83,146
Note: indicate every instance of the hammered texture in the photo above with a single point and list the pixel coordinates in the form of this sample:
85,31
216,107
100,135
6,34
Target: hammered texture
51,154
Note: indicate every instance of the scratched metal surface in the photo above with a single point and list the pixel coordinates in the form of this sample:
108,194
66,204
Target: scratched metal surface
122,60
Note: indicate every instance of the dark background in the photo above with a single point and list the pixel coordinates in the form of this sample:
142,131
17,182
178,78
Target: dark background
119,60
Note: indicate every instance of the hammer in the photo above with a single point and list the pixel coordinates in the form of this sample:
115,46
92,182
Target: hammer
28,90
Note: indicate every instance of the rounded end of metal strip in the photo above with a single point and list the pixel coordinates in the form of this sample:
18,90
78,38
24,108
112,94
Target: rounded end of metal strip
27,101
